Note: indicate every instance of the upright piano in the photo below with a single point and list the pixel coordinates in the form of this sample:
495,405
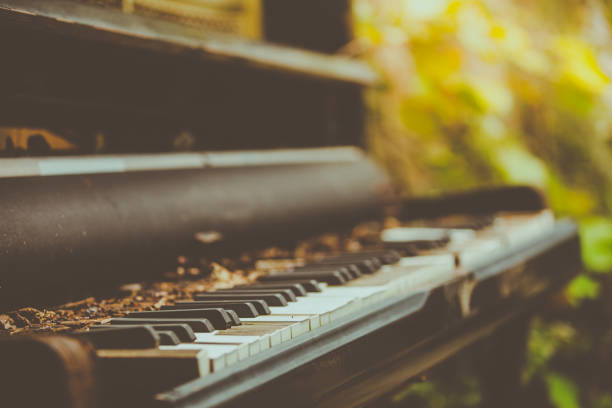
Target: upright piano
189,219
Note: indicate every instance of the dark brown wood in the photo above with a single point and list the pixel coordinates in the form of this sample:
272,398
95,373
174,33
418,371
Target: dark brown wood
109,26
111,82
500,359
479,202
37,370
142,337
322,25
127,378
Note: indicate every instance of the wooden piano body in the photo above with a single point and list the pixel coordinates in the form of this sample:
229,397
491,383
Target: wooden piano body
72,224
143,84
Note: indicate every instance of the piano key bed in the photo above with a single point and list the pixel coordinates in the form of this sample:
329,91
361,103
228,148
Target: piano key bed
329,311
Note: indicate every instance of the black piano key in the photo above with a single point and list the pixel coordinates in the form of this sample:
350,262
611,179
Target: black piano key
261,307
183,331
357,256
343,271
242,309
167,338
354,270
141,337
286,293
331,278
386,256
375,264
218,317
473,223
271,300
432,244
197,325
296,288
234,316
414,247
347,270
309,285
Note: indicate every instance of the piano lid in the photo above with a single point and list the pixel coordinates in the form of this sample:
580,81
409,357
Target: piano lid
112,26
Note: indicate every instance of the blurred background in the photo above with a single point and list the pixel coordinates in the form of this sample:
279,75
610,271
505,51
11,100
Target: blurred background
489,92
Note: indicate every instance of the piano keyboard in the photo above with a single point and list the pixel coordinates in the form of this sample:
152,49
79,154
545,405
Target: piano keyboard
218,329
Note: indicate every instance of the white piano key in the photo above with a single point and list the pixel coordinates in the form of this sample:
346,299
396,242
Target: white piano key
348,291
254,342
461,234
300,328
267,335
315,321
275,335
409,279
443,259
411,273
518,229
404,234
335,306
423,278
273,318
324,318
243,352
275,338
418,272
477,252
287,332
219,355
300,323
366,294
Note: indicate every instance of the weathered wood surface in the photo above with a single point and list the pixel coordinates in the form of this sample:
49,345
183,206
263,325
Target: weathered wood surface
110,26
142,85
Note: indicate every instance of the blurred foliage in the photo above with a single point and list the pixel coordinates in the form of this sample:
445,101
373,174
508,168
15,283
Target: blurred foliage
563,392
489,92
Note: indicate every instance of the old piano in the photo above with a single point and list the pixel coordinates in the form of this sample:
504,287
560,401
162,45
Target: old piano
215,157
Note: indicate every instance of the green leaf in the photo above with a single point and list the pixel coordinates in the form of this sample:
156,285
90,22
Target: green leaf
562,392
582,287
596,235
519,166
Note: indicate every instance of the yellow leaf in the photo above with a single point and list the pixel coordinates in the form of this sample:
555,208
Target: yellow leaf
579,65
519,166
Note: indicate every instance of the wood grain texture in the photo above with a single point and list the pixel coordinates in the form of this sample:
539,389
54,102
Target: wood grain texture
96,24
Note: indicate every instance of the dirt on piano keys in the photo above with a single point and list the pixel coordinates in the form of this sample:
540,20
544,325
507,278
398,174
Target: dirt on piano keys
190,276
